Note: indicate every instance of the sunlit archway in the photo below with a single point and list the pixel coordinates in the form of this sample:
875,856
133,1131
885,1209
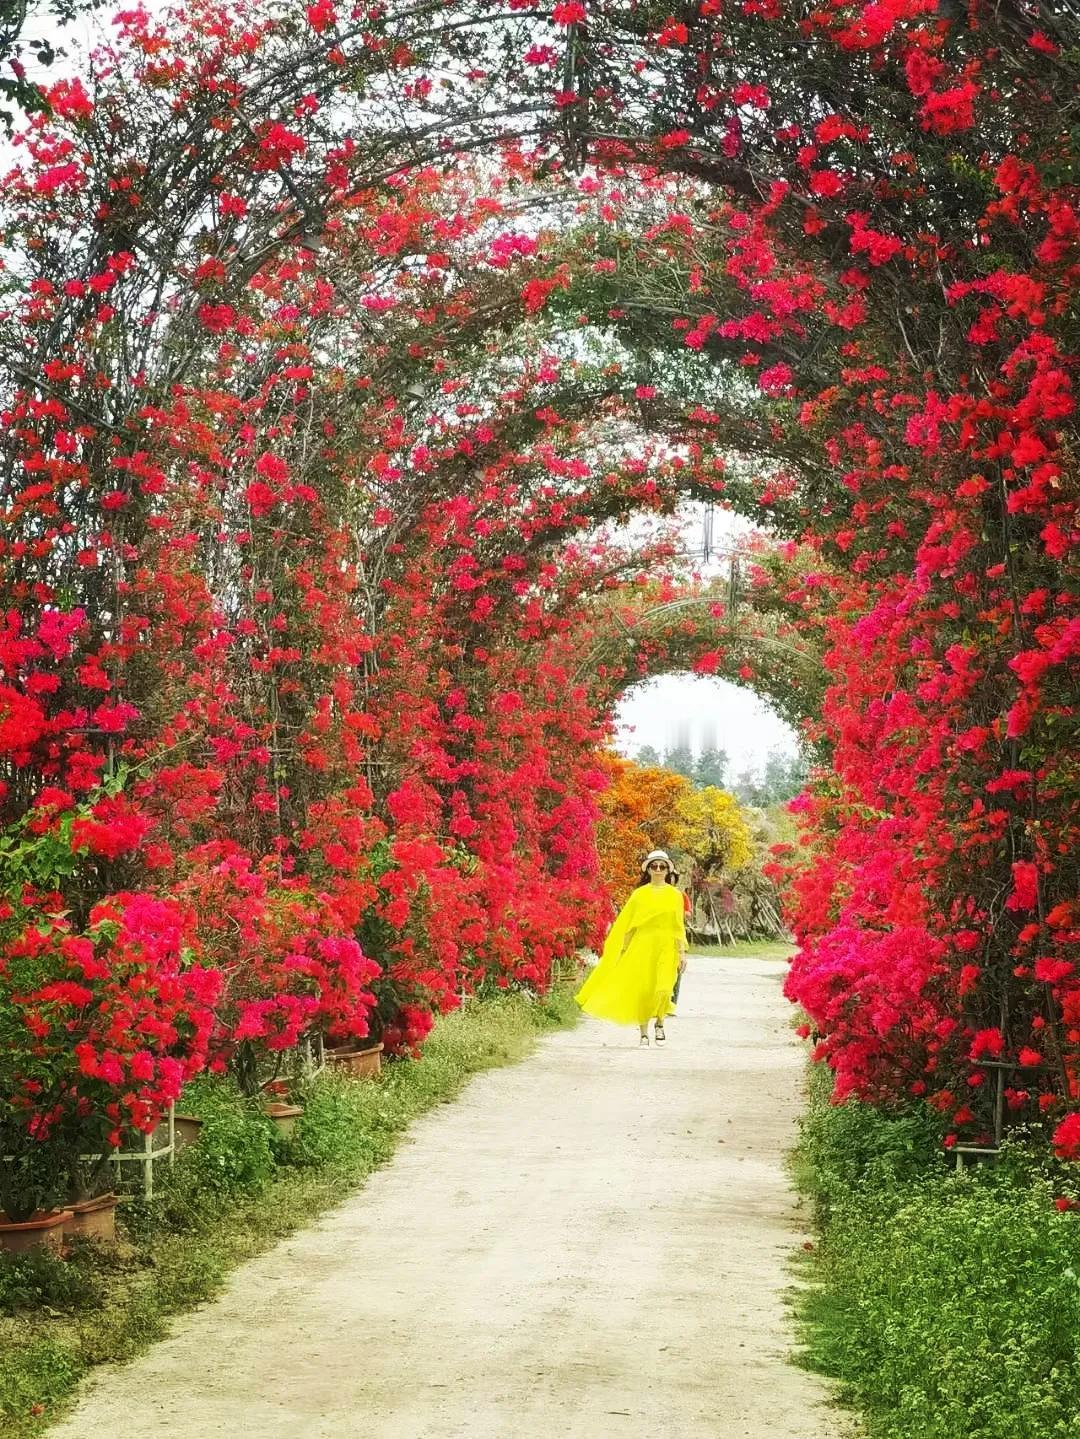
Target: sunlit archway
702,714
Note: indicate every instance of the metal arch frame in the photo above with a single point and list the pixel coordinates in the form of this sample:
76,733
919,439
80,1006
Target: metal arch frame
764,641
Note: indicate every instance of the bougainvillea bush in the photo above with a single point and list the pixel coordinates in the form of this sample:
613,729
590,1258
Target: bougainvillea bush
99,1029
860,242
352,384
277,652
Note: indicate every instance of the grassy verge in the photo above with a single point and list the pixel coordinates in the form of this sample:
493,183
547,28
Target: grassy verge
235,1193
745,949
947,1306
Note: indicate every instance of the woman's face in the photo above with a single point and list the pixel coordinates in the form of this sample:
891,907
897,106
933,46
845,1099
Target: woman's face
658,871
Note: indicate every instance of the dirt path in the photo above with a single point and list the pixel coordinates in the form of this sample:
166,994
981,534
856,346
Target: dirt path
590,1244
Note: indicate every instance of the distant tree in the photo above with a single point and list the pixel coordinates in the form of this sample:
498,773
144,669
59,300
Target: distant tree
639,811
711,828
756,910
680,760
711,768
782,777
747,788
648,757
785,775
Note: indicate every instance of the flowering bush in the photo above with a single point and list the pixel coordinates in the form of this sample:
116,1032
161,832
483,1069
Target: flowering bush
285,972
638,814
911,434
99,1029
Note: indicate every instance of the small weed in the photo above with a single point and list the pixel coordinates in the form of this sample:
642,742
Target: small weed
41,1280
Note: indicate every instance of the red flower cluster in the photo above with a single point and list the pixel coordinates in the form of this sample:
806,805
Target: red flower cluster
99,1029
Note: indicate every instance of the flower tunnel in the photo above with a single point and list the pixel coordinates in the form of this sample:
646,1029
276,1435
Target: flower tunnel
341,465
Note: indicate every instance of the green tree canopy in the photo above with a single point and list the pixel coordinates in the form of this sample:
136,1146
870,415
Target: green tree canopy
710,768
680,759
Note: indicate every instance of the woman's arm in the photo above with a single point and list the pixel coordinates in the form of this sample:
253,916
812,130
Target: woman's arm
680,932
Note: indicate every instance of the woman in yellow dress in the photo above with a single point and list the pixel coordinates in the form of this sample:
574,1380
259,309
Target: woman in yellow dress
643,953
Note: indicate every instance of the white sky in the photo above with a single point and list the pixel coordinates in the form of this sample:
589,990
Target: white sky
702,711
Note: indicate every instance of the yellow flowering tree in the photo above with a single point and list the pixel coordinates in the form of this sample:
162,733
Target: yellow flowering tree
709,826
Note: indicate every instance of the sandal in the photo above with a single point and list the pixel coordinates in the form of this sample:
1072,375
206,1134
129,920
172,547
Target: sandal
658,1033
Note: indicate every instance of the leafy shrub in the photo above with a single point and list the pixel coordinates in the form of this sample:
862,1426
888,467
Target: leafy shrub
40,1279
948,1306
234,1155
847,1148
337,1123
233,1160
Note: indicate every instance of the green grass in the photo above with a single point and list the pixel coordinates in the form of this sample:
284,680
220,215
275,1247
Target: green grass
235,1193
946,1306
745,949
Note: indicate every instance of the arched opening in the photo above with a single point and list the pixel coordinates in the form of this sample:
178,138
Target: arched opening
706,772
698,718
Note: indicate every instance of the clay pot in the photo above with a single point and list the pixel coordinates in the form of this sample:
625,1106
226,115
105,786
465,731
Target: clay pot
283,1115
43,1229
94,1218
361,1063
186,1128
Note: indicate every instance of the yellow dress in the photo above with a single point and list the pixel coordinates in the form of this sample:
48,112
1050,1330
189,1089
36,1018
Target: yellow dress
634,985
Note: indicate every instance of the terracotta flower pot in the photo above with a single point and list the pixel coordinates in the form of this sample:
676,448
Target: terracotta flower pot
187,1129
94,1218
283,1115
361,1063
44,1229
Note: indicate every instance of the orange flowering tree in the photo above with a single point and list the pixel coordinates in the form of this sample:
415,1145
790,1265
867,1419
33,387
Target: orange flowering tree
639,811
648,807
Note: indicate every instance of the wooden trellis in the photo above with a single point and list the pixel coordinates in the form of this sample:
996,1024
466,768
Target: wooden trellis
1001,1068
150,1153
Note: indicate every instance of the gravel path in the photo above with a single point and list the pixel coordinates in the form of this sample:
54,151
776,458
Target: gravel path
589,1244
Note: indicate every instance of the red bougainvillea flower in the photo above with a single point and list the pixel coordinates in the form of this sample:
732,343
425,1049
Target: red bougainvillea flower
316,606
1066,1137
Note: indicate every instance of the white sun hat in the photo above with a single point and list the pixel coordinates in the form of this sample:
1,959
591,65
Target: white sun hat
655,854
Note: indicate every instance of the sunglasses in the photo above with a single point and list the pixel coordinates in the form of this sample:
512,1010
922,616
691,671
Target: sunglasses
658,864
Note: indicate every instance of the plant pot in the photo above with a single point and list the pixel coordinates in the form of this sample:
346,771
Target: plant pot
186,1128
93,1218
360,1063
43,1229
283,1115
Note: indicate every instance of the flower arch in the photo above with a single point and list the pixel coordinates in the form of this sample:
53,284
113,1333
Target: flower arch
699,634
319,432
